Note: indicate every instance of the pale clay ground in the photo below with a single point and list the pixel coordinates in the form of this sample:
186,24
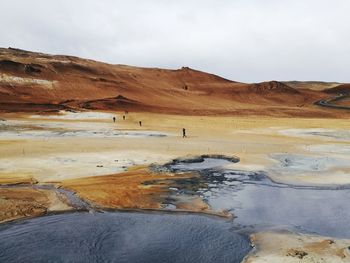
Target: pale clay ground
278,246
263,144
257,141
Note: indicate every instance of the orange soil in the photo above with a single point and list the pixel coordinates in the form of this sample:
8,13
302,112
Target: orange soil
15,178
136,189
22,202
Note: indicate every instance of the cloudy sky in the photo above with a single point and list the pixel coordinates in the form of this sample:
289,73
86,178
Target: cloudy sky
244,40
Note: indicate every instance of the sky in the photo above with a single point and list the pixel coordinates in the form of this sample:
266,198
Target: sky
243,40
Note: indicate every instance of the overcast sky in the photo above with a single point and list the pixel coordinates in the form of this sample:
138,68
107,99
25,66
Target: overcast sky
243,40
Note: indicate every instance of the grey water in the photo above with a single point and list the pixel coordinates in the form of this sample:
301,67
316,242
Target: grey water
259,203
301,163
122,237
321,212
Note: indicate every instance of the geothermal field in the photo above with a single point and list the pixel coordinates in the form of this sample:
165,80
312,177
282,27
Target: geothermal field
95,167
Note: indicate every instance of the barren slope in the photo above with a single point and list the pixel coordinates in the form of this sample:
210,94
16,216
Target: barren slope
39,82
341,89
313,85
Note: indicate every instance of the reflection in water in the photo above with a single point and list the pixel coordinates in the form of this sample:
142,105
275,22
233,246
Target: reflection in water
122,237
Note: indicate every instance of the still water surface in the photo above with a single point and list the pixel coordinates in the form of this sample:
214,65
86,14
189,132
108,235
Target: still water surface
122,237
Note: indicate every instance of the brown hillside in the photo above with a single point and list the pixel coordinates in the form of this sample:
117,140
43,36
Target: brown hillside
37,82
312,85
341,89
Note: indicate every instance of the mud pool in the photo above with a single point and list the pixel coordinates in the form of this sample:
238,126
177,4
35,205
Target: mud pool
301,163
122,237
70,124
69,115
19,129
259,203
326,134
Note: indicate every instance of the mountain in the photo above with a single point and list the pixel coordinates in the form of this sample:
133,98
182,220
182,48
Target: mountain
340,89
313,85
37,82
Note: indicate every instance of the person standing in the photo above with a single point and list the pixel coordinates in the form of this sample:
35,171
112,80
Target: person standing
124,117
113,119
184,133
140,123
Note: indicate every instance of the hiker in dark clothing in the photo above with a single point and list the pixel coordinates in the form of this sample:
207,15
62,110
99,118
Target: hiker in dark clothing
113,119
140,123
123,117
184,133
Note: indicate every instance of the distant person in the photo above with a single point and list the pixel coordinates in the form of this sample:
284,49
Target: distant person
184,133
124,117
113,119
140,123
